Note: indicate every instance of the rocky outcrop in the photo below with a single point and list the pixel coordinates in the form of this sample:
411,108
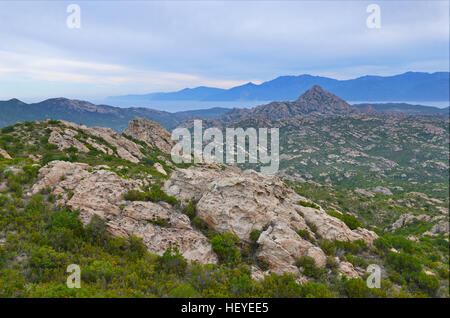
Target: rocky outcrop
347,269
227,199
408,218
382,190
233,201
151,133
159,168
4,154
115,143
100,192
65,139
441,227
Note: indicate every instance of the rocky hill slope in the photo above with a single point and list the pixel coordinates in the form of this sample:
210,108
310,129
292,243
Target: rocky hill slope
127,185
314,101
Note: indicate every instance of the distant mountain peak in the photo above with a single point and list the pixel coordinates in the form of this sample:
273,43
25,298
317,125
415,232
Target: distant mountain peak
16,101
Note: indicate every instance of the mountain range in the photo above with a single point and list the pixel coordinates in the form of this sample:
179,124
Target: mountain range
314,101
410,86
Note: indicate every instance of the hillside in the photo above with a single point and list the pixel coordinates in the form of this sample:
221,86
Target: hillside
86,113
314,101
404,108
117,205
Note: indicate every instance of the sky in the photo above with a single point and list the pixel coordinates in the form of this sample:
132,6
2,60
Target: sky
128,47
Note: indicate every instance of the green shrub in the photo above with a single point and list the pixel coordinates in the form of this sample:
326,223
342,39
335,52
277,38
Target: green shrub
308,264
189,210
402,262
96,229
254,235
328,247
7,129
224,245
308,204
135,195
356,288
282,286
425,282
155,194
349,220
304,234
172,262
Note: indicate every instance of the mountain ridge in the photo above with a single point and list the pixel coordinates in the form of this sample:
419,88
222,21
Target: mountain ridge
409,86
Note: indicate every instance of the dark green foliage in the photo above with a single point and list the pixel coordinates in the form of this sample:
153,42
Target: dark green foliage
308,265
254,235
403,262
348,219
304,234
309,204
172,262
224,245
189,209
154,194
356,288
7,129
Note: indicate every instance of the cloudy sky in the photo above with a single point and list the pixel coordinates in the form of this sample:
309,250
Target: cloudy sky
127,47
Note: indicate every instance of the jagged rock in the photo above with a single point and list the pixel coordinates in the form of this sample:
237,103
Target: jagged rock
234,201
159,168
382,190
347,269
280,245
257,274
365,193
125,148
441,227
408,218
151,133
64,141
100,192
4,154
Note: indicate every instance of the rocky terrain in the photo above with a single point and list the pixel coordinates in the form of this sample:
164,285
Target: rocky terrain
220,215
252,201
314,100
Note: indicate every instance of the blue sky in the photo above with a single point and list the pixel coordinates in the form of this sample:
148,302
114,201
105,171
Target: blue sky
127,47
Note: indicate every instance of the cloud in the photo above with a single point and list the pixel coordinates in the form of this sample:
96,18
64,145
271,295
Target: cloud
140,47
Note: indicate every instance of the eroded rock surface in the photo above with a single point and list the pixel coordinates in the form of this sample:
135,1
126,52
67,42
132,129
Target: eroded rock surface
101,192
123,147
233,201
151,133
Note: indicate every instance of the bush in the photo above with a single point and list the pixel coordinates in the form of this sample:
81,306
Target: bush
427,283
304,234
283,286
328,247
135,195
309,204
224,245
402,262
189,210
356,288
349,220
309,267
96,229
172,262
7,129
155,194
254,235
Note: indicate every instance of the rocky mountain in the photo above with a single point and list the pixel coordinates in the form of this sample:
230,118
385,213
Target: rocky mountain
414,86
86,113
315,101
126,207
